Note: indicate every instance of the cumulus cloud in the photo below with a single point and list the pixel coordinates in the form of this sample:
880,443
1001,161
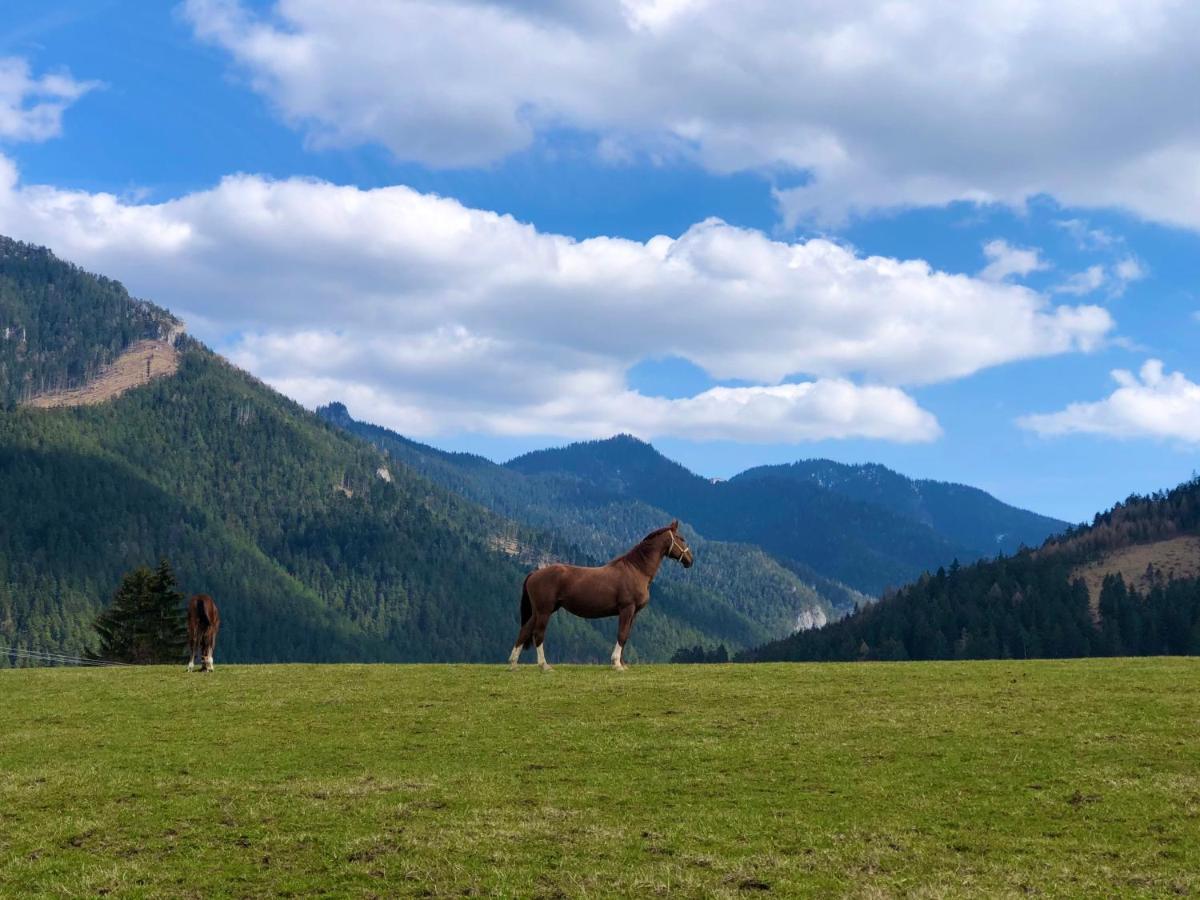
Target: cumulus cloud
598,404
31,108
470,319
1005,260
1151,404
884,105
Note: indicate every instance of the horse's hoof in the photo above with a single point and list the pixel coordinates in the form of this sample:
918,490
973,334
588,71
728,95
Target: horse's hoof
620,668
512,667
547,668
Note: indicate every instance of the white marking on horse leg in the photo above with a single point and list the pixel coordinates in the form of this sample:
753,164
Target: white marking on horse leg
616,658
541,651
191,663
515,656
208,663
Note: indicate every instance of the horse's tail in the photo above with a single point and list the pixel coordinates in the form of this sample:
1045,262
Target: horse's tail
200,609
526,608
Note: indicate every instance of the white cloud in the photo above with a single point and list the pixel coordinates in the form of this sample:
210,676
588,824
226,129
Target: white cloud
1086,237
1090,279
885,105
469,319
1005,260
31,108
1129,269
1115,277
1150,404
598,405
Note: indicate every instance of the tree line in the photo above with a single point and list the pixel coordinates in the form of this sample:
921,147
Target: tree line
1031,604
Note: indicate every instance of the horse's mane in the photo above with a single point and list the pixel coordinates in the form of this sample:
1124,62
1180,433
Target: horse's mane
640,552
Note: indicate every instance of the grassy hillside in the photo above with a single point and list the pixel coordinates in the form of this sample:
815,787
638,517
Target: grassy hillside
1142,567
947,779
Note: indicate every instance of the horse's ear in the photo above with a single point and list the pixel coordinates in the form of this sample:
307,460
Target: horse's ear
675,525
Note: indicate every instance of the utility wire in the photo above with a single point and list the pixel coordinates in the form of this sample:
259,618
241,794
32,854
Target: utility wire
53,658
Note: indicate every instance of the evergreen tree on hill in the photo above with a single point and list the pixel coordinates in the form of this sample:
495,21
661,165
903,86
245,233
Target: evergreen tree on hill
169,629
144,625
698,654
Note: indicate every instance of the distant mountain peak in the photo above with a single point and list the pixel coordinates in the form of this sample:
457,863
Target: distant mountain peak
625,437
336,413
621,456
967,514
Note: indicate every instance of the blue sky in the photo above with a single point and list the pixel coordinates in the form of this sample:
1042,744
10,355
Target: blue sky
240,164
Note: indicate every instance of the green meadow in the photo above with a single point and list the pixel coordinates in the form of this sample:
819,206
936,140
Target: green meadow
1073,778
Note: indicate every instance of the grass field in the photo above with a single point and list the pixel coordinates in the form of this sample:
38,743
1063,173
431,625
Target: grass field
927,779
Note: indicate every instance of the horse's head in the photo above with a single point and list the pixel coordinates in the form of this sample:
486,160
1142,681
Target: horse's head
678,548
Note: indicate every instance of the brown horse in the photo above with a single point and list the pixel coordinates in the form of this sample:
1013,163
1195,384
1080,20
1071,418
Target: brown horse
203,622
619,588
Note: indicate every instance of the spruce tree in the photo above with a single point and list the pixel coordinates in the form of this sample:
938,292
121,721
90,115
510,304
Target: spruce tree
169,631
144,625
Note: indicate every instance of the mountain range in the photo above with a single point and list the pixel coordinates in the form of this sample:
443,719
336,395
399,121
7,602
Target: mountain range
865,526
1127,584
836,526
123,440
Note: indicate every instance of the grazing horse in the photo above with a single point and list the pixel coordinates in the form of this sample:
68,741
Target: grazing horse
203,622
619,588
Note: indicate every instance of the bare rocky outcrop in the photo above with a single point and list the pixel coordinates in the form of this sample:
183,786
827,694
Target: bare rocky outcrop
813,617
525,553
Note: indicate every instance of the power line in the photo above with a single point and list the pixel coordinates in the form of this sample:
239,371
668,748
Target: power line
53,658
48,657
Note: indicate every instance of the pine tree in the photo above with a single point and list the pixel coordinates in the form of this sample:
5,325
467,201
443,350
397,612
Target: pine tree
169,628
144,624
121,639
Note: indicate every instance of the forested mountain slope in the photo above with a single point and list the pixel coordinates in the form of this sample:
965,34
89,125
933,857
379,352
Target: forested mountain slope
312,554
969,515
602,523
320,546
861,537
59,325
1037,603
316,546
